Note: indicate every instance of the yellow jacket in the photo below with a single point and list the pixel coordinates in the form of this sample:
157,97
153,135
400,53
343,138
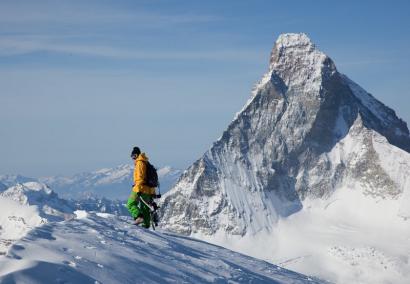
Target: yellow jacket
140,171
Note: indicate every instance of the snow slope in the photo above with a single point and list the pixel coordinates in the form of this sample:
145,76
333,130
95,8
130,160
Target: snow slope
15,221
26,206
102,248
50,206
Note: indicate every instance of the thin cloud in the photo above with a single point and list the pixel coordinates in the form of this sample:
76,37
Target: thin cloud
16,46
29,13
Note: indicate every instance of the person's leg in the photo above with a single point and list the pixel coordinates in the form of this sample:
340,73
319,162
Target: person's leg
145,210
132,205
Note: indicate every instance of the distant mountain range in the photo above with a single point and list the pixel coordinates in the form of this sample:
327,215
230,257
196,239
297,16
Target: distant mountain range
111,183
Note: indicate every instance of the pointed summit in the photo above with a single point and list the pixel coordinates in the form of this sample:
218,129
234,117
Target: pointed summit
279,143
307,135
290,41
293,39
297,61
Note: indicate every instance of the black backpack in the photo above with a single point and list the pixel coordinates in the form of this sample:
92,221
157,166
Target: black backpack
151,177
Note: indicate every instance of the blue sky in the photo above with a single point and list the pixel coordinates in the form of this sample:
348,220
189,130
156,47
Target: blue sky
81,82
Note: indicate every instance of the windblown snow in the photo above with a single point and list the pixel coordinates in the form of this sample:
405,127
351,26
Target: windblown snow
103,248
43,239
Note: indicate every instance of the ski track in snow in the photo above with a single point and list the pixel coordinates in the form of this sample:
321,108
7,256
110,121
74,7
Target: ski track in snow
108,249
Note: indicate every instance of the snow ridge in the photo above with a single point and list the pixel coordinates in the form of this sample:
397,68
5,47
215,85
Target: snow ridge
106,249
51,207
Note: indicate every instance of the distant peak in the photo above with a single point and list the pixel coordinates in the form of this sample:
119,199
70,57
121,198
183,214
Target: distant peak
293,39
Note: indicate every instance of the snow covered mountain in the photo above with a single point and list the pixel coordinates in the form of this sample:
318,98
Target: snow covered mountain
26,206
31,204
113,183
102,248
11,180
3,187
313,173
37,194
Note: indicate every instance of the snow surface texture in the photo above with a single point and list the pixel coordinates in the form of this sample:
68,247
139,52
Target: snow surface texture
25,206
95,248
15,221
50,206
313,173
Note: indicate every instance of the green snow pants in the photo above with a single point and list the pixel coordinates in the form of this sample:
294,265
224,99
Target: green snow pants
138,208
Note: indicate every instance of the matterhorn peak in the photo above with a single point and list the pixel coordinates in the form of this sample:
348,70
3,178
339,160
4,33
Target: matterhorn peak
289,47
296,63
279,145
293,40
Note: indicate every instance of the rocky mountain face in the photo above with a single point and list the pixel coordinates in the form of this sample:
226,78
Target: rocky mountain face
306,131
102,205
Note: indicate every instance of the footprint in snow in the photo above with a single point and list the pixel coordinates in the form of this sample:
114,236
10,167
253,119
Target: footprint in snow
70,263
18,247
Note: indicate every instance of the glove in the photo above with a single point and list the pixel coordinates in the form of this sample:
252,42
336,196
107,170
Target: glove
155,206
158,196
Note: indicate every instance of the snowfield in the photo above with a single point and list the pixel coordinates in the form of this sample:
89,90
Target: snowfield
15,221
347,238
103,248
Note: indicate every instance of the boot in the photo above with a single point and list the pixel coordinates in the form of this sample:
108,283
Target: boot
138,221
